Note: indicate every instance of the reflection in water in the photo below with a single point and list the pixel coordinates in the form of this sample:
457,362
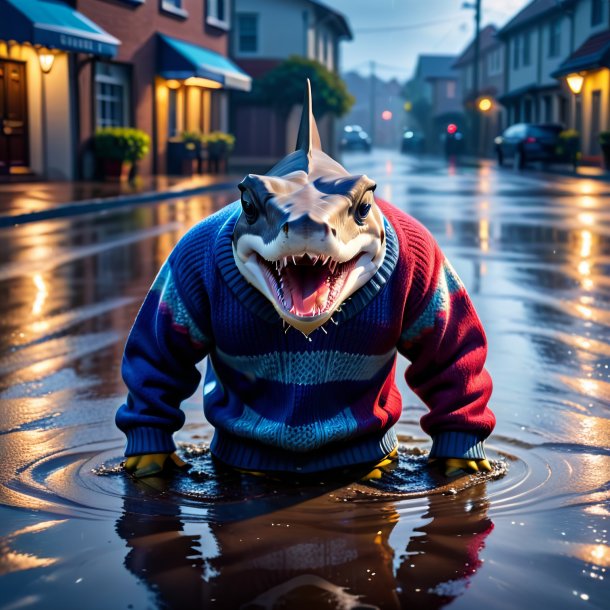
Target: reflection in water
308,552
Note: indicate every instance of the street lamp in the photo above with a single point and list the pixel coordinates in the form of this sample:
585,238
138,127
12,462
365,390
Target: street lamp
575,82
484,104
46,59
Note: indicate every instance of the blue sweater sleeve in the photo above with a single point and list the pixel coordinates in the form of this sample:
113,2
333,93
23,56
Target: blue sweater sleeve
164,345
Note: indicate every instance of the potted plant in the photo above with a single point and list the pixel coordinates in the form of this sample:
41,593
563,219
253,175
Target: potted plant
604,142
118,148
568,146
218,145
183,153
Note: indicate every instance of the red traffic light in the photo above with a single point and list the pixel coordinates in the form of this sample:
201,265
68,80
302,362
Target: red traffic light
451,128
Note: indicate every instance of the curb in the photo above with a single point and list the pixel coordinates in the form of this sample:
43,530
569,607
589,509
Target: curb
88,206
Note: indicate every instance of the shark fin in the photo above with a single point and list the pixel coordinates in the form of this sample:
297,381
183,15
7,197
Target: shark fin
308,137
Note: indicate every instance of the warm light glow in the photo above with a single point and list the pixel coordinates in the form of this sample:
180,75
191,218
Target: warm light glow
484,104
484,234
408,106
173,84
584,268
575,82
41,294
386,115
46,61
586,218
196,81
586,240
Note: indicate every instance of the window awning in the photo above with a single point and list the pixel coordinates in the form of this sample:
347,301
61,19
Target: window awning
180,60
54,25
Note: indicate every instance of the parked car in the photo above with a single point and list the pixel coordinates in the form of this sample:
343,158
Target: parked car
412,142
525,142
355,138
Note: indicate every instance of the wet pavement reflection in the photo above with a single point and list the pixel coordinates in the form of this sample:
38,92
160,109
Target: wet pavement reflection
534,253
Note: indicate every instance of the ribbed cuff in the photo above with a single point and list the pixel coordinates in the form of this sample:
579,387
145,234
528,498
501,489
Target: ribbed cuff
457,445
148,440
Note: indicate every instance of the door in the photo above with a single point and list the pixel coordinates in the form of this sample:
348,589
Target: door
13,116
596,110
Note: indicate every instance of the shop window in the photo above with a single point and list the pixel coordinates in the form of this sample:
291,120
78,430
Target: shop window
218,13
597,12
247,27
112,95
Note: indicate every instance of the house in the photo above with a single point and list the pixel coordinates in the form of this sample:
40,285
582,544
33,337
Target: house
434,98
535,39
266,33
67,68
482,99
587,68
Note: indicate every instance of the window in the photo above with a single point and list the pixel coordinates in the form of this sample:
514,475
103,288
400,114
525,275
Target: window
174,7
218,14
450,89
527,54
247,28
516,51
597,12
494,62
554,38
112,95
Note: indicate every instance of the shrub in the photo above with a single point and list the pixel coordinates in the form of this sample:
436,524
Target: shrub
218,143
121,143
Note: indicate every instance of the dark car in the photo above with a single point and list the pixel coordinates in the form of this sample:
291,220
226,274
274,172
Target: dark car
355,138
412,142
525,142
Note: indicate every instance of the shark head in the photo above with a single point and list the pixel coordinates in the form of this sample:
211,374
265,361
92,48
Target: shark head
309,234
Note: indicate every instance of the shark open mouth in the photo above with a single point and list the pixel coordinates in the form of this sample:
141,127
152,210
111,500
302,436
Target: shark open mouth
306,285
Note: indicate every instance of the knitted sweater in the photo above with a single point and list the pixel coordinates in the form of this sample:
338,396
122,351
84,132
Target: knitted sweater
280,401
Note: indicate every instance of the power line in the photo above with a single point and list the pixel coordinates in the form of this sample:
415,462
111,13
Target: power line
396,28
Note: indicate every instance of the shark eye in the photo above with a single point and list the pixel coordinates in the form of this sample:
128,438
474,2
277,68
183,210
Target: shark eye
362,211
249,208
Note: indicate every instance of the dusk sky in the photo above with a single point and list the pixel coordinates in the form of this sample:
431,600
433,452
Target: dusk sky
394,32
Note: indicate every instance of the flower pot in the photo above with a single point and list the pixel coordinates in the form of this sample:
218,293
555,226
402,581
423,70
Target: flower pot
115,170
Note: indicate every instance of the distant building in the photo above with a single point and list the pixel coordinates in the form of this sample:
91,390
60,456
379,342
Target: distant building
67,68
379,108
434,98
490,87
266,33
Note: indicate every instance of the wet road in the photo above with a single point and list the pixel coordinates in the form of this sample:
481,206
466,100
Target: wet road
534,254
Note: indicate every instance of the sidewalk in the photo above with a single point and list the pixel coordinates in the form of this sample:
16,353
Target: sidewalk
29,201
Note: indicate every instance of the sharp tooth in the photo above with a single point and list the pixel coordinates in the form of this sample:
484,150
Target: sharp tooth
316,259
293,261
326,260
285,261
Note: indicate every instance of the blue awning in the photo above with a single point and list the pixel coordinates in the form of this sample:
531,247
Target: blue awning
180,60
54,25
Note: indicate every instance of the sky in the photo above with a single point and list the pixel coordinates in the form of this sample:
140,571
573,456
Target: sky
394,32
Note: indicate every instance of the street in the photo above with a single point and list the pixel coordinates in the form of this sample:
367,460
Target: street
533,250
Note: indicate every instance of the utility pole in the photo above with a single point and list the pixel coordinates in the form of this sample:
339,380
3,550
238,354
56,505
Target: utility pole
475,74
372,102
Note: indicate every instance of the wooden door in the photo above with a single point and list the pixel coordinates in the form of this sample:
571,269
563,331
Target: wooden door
14,150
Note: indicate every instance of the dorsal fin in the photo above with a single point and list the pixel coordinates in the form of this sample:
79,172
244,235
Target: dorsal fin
308,137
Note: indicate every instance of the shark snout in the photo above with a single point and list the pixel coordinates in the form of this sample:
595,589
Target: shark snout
307,228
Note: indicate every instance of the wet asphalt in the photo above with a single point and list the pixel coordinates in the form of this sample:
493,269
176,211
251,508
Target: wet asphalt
533,250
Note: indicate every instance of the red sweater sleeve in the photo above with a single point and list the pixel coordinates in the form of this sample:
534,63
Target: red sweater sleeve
444,339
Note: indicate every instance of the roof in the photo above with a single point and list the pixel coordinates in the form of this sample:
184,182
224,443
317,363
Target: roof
592,54
534,11
531,89
432,67
487,41
338,19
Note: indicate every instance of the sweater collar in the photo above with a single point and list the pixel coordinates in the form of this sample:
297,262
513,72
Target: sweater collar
258,304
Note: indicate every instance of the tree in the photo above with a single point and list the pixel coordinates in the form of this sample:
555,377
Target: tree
282,87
